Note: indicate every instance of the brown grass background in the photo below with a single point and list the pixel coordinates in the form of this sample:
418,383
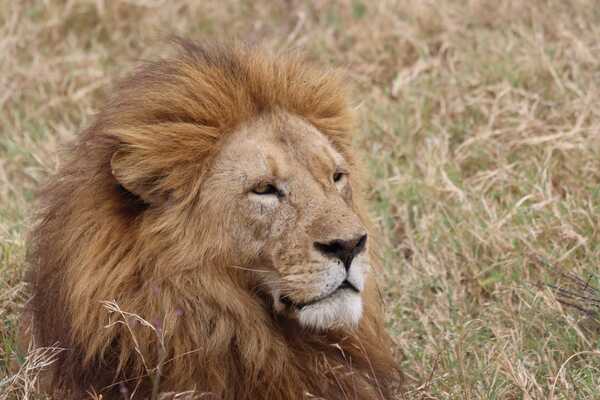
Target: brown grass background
480,124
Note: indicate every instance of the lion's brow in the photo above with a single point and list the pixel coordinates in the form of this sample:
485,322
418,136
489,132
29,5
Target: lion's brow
272,165
331,155
324,159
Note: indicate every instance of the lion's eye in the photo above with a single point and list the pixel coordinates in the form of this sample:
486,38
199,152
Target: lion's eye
266,189
337,176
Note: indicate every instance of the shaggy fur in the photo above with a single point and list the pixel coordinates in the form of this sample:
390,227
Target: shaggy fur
120,222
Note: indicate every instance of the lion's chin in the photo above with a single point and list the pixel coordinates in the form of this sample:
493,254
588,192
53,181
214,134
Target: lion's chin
341,309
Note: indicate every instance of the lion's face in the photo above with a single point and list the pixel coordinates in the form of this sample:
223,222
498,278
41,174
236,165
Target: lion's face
288,194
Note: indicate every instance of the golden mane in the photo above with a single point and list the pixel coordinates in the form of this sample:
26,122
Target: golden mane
114,224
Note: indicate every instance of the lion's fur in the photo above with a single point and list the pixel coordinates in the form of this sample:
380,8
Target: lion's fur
97,242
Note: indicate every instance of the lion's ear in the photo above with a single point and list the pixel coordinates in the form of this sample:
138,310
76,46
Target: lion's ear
136,177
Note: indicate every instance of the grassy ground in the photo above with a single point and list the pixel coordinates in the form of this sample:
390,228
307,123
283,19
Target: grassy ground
481,127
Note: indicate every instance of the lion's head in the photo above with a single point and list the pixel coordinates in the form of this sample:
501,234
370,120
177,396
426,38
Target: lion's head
285,193
217,195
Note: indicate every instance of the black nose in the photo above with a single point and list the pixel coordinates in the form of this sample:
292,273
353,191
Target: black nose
345,250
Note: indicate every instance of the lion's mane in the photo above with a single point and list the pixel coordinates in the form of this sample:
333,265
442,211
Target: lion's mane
95,242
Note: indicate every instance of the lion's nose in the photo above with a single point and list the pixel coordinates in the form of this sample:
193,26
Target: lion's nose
345,250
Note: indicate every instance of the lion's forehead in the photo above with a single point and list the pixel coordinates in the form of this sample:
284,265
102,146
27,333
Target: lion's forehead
283,149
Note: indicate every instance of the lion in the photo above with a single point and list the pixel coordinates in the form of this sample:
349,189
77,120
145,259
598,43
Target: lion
215,206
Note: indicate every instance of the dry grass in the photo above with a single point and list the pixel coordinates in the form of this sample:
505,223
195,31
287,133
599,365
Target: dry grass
481,127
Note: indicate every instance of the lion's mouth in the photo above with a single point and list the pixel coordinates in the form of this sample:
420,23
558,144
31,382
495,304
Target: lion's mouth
346,285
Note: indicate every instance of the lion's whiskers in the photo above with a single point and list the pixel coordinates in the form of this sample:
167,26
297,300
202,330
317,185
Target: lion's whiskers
249,269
